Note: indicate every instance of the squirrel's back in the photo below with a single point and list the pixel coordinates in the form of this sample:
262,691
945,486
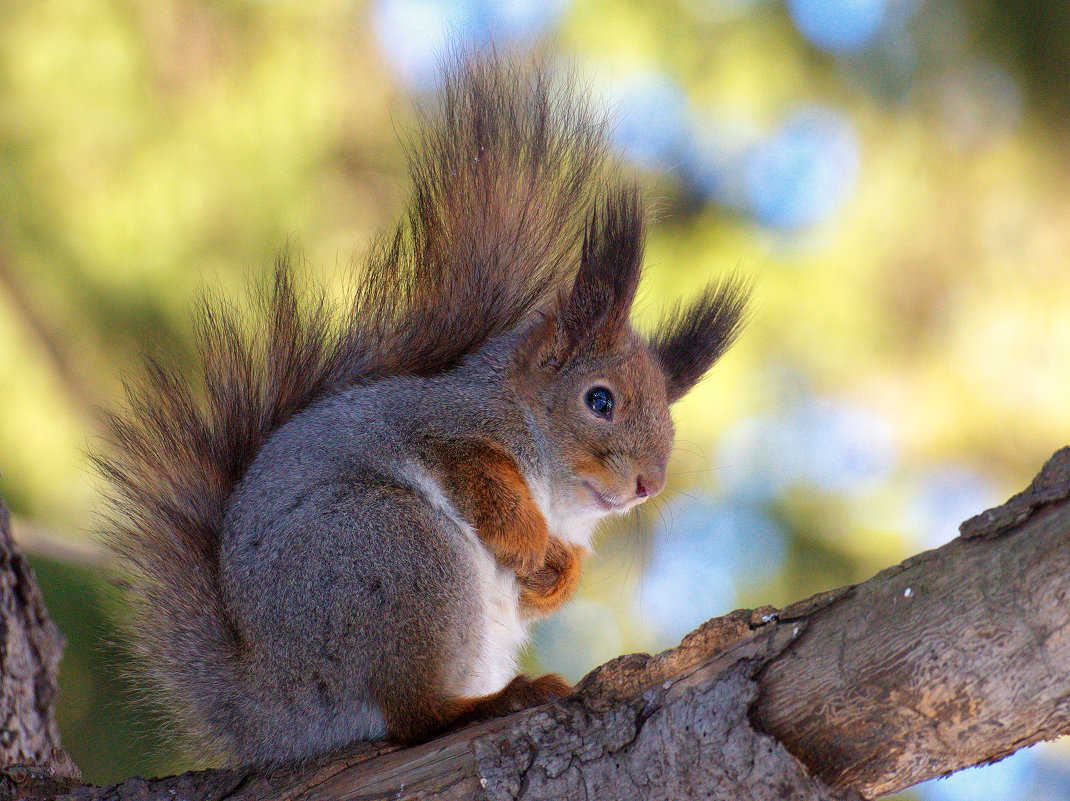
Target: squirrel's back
504,169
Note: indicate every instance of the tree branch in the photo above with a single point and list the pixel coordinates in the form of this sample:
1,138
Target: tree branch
956,657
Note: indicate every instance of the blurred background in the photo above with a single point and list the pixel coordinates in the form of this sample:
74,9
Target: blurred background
892,172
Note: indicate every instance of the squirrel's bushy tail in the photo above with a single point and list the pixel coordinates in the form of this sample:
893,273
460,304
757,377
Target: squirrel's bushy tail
504,167
176,454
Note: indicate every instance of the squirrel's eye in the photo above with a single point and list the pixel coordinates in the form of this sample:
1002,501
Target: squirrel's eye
600,401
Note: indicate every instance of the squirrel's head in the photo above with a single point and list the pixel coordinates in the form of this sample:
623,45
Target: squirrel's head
599,391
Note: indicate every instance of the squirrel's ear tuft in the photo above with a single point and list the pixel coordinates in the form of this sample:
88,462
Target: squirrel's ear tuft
601,299
688,340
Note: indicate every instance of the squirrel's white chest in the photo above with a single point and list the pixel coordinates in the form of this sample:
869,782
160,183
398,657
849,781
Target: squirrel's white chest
574,526
501,632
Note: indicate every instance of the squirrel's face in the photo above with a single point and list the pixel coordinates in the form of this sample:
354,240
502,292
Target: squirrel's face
606,418
600,393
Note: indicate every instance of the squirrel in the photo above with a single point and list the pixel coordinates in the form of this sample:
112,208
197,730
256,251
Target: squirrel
345,531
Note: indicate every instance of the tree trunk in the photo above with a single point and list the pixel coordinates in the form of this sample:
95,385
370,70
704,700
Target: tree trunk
956,657
31,758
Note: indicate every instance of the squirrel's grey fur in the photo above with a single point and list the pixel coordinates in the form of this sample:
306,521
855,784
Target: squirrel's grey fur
332,505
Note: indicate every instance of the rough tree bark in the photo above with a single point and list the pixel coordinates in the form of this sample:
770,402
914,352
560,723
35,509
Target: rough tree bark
30,649
956,657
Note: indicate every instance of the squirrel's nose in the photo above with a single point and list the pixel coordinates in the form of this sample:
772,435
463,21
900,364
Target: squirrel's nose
649,483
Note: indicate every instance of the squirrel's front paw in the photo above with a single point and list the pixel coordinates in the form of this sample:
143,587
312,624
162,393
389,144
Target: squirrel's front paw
552,583
523,555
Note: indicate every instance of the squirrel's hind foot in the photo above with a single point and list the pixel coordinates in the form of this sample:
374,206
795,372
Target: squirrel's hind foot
523,692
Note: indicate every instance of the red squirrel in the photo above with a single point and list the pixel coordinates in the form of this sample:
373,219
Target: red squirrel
345,531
